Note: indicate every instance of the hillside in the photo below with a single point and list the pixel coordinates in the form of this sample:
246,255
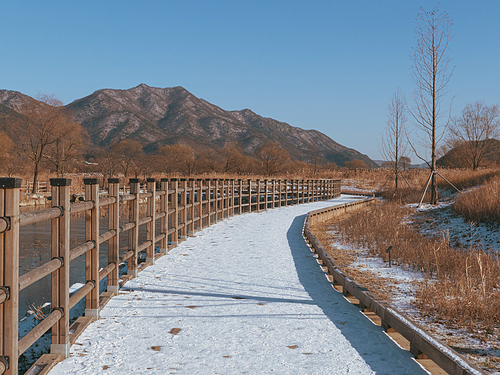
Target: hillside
165,116
460,157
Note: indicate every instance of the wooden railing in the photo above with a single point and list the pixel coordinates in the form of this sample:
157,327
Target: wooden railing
175,209
428,350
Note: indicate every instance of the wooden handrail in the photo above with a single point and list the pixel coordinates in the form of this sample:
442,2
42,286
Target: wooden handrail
37,216
38,273
106,270
80,250
80,293
80,207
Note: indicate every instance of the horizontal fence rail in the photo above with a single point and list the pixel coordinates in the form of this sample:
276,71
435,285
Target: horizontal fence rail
421,344
175,209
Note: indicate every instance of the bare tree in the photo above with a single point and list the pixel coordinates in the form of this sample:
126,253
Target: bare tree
473,130
314,157
180,158
67,147
41,125
128,153
9,160
431,75
106,162
404,162
394,144
233,159
272,157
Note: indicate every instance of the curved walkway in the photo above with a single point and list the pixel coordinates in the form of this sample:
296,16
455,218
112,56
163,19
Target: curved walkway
244,296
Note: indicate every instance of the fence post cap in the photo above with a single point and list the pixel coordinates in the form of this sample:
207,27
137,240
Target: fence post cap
91,181
150,179
164,180
113,180
10,183
134,180
60,181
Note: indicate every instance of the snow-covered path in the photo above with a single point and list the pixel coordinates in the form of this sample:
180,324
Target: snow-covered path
244,296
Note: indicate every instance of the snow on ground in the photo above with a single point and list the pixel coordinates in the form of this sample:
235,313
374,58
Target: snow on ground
244,296
441,219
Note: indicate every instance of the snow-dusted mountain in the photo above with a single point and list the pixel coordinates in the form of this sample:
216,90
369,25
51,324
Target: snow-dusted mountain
160,116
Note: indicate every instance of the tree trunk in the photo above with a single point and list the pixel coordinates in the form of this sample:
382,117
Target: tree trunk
35,180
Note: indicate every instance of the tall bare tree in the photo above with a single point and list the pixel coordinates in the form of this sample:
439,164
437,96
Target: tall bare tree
68,147
128,153
42,124
395,143
273,158
180,158
233,159
473,130
431,74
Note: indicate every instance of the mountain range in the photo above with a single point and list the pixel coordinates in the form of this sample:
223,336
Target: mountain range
164,116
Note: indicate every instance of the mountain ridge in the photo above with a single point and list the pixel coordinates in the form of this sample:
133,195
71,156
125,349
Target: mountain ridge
164,116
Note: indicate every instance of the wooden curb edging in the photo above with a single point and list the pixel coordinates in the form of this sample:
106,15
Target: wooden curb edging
421,344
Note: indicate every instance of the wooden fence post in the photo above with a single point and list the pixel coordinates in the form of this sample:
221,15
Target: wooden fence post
133,234
226,196
192,202
151,227
92,256
208,198
223,196
164,219
257,190
9,274
265,194
60,278
240,201
114,242
199,199
287,186
216,200
249,182
175,214
232,196
183,208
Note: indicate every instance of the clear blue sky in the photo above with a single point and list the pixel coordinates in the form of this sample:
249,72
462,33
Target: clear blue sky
326,65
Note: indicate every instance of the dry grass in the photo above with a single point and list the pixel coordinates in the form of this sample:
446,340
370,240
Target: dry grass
36,311
461,284
481,204
377,178
346,258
